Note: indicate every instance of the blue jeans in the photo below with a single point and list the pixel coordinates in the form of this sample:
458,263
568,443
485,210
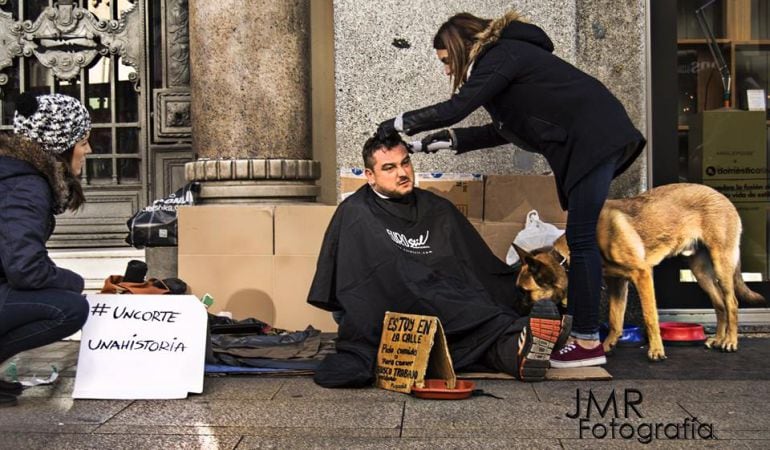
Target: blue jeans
31,319
586,200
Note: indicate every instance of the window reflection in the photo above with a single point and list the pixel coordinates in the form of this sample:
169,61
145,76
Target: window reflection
100,8
720,145
128,140
98,91
33,8
128,170
39,77
99,169
126,98
101,141
71,88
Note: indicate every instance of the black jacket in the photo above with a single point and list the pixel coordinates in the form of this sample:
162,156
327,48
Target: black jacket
32,188
540,103
372,261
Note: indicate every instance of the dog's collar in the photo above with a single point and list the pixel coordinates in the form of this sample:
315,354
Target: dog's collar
561,258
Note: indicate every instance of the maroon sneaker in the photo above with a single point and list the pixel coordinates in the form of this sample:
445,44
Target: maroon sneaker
573,355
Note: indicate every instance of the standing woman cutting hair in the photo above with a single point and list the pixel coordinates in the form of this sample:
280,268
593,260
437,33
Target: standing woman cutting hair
39,177
545,105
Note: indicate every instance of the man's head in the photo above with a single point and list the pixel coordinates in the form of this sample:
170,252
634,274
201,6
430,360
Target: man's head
388,166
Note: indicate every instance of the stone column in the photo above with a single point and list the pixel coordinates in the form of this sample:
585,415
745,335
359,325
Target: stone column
250,89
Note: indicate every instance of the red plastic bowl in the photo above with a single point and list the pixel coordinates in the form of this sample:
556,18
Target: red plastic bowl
436,390
682,332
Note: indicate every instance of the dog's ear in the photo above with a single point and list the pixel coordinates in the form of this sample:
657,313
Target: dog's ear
523,254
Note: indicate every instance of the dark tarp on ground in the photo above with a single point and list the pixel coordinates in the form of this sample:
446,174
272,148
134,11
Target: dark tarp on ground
253,343
433,262
297,344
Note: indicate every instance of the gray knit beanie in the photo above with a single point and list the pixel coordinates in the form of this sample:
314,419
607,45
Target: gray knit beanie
57,122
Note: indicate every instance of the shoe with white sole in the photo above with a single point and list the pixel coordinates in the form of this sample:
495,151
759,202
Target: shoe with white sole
538,339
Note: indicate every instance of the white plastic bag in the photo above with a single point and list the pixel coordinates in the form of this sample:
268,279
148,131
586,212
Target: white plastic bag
536,234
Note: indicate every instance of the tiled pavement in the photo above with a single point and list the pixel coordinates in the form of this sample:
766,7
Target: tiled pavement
292,412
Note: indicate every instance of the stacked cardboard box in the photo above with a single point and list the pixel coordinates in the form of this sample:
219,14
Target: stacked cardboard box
259,261
256,261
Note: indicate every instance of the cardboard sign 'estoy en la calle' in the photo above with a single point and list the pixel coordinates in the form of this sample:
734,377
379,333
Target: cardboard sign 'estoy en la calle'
411,347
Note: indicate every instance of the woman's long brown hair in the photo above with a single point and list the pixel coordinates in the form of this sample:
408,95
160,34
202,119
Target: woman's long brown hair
457,36
76,196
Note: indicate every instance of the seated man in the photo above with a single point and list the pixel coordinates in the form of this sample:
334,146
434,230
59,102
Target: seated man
393,247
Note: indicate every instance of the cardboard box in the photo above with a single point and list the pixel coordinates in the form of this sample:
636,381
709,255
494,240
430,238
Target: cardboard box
350,181
227,251
466,192
293,276
300,228
240,284
226,230
508,198
500,235
272,289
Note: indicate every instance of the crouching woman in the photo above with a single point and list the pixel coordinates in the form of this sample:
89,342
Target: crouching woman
40,165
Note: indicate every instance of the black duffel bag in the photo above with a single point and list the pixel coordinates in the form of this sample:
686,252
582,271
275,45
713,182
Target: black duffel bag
156,225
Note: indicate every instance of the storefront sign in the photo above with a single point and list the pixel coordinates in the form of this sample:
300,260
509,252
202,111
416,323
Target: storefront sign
728,151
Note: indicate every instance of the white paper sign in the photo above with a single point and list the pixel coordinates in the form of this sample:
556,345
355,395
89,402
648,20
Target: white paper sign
756,99
142,347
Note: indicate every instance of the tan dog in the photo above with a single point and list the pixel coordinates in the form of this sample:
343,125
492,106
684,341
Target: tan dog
635,235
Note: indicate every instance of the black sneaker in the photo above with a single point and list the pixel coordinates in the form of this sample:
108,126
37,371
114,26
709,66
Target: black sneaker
10,387
538,339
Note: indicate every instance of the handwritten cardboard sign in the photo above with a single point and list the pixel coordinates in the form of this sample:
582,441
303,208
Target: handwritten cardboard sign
142,347
412,346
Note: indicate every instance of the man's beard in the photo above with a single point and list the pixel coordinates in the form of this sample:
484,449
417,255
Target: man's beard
395,193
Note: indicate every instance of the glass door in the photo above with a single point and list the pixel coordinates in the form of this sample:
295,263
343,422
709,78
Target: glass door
710,77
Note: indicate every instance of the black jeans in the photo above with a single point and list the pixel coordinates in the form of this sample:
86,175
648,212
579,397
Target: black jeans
501,356
31,319
586,200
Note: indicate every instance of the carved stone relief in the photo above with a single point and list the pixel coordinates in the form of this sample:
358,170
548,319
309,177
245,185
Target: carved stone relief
66,38
177,43
172,108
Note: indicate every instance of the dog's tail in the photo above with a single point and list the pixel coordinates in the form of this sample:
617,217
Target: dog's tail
743,292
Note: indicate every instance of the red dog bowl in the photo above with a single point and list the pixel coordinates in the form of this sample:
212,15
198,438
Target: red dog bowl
682,333
437,390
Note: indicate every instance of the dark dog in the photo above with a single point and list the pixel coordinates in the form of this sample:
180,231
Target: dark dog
635,235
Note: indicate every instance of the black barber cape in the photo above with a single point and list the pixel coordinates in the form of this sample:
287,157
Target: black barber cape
416,255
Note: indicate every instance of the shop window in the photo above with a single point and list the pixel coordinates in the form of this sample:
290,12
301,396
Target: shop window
719,132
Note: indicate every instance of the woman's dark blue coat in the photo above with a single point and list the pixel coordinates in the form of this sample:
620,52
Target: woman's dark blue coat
32,188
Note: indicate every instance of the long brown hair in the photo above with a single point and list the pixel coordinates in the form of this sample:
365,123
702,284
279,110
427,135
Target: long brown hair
457,36
76,196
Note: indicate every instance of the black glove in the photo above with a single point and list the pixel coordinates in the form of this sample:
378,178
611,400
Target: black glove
386,128
439,140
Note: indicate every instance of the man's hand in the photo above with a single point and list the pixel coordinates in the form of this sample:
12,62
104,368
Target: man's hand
439,140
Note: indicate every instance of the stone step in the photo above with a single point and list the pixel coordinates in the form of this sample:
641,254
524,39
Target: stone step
94,265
